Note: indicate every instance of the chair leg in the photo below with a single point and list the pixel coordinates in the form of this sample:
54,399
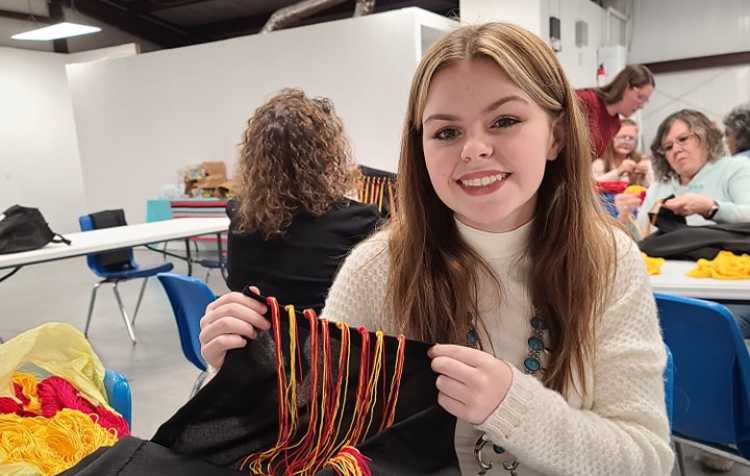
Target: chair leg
91,307
208,273
198,383
140,297
124,314
680,457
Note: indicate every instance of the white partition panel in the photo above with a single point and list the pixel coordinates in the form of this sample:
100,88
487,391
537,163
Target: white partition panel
141,119
39,164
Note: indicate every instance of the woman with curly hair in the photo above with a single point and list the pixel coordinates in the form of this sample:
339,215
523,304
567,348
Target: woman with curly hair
737,130
291,223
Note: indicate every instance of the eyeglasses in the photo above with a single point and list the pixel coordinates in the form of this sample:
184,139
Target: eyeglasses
630,139
681,141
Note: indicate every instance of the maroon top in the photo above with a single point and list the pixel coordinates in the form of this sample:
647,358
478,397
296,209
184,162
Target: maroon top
602,127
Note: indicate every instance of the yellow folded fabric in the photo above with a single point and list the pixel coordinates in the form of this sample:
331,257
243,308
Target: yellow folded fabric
19,469
50,444
653,265
59,349
726,265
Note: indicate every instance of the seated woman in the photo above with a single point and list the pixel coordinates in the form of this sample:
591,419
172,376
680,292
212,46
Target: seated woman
622,161
291,223
689,164
737,130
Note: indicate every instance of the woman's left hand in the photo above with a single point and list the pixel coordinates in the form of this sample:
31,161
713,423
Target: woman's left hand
690,204
472,383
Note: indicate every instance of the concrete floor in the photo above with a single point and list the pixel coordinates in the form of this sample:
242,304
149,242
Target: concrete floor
160,376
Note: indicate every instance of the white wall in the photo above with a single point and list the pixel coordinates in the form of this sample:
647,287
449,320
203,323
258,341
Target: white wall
672,29
579,63
526,13
713,91
39,163
140,120
112,52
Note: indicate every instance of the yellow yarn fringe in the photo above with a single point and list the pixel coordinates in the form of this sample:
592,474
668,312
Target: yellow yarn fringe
726,265
653,265
51,444
349,462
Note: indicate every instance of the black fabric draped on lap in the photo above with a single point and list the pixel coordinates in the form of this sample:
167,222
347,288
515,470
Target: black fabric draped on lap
237,414
677,240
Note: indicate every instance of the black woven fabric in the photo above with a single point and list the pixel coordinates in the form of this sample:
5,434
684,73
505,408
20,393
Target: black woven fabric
677,240
236,414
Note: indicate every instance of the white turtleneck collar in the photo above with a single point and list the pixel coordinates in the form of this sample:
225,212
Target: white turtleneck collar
491,246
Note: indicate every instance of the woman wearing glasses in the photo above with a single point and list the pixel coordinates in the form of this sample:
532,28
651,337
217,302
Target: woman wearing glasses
689,164
623,96
622,161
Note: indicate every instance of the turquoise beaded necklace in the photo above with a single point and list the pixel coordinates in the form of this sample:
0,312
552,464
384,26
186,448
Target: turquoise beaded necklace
532,365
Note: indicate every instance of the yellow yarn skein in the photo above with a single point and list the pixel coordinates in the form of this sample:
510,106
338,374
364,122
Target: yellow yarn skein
51,444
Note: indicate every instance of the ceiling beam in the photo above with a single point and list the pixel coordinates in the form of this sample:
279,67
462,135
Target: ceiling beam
253,23
57,15
25,16
142,25
228,28
156,5
700,62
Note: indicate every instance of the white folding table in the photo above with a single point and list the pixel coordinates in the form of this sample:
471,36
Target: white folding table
674,280
119,237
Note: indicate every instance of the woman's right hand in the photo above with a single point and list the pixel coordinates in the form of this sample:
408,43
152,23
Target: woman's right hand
228,322
626,167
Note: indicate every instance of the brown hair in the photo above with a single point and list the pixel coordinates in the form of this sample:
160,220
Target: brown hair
633,76
709,135
435,274
635,156
294,157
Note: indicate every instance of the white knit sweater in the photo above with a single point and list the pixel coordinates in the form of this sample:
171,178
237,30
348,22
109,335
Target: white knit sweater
619,428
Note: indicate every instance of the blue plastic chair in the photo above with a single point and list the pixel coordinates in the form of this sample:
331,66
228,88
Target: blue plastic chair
128,271
118,394
189,297
669,384
711,406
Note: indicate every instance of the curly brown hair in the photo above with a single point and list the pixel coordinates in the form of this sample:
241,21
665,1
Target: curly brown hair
294,157
709,135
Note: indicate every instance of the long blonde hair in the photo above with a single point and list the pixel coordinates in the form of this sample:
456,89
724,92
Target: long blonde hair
434,277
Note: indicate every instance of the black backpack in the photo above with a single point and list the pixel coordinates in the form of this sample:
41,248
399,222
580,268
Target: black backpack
25,229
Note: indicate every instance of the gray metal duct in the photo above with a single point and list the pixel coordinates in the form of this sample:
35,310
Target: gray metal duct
364,7
293,13
290,15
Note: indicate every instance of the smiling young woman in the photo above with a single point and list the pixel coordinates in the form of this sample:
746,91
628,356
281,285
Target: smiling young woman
548,349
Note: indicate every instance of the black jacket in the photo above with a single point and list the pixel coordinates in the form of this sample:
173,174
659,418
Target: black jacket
299,266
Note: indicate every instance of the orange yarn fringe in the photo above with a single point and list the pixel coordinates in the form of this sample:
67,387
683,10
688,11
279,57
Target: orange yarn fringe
326,442
372,190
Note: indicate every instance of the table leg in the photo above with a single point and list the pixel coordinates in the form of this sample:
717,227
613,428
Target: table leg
189,257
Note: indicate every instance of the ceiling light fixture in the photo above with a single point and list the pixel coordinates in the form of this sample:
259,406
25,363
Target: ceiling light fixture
56,31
